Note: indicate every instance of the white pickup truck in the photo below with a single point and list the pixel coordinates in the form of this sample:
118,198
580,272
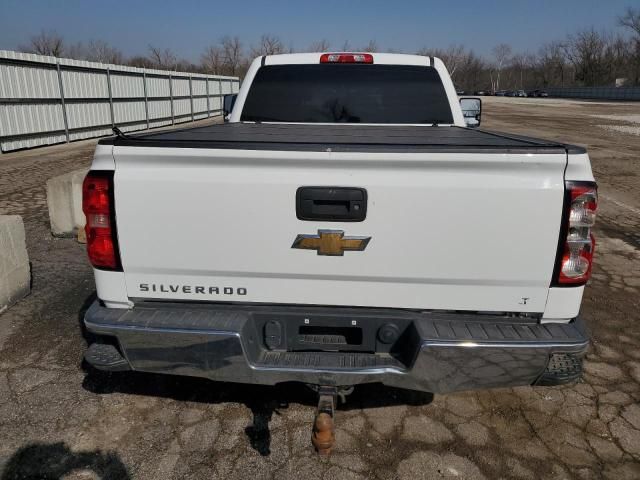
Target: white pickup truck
346,226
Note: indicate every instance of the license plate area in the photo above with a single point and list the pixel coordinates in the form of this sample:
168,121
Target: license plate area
328,337
343,332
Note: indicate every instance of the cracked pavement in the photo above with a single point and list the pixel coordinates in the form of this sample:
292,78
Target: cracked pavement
59,419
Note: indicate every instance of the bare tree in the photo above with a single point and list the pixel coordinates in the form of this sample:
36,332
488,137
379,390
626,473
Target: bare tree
622,60
140,61
184,65
631,19
551,64
101,51
212,59
346,46
501,53
530,65
269,45
232,52
77,51
472,73
465,67
520,63
95,51
372,47
587,51
320,46
45,43
162,58
453,57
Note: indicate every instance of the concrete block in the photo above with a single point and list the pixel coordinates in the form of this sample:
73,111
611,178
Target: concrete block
15,274
64,199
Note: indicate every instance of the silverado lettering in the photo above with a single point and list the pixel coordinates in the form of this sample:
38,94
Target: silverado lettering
195,289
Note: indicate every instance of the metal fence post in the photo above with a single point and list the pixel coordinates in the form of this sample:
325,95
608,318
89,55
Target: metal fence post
146,99
173,121
206,82
191,97
113,124
220,96
64,107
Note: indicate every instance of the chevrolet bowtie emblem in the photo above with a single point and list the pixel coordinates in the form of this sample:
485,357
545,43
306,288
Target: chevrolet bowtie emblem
330,242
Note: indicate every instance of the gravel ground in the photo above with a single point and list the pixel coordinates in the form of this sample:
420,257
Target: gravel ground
628,129
59,419
624,118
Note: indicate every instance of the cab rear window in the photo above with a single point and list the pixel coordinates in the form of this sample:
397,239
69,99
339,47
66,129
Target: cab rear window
347,93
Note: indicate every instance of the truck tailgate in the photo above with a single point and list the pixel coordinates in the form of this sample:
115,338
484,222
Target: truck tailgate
448,230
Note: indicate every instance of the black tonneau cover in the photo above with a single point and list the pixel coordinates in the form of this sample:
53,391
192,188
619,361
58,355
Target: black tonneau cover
341,138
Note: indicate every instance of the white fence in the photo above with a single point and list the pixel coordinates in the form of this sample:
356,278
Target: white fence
47,100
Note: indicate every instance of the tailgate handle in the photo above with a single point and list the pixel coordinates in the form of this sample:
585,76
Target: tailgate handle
331,204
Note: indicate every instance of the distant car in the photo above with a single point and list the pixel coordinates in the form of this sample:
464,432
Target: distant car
460,92
537,93
501,93
521,93
481,92
510,93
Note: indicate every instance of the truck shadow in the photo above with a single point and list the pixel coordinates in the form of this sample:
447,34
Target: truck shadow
53,461
263,401
258,432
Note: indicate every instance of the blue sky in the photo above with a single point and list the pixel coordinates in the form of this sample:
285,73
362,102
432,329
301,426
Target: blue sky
187,26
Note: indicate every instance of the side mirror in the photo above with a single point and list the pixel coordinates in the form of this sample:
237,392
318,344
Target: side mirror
471,111
228,101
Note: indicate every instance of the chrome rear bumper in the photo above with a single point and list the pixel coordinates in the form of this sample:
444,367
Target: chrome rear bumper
435,352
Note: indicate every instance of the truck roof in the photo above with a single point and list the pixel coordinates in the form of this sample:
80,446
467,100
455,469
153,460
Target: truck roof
342,138
378,58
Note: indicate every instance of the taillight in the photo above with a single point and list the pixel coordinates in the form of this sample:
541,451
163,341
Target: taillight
346,58
577,247
97,205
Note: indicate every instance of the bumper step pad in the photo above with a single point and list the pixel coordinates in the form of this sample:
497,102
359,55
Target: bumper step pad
332,360
106,357
563,368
